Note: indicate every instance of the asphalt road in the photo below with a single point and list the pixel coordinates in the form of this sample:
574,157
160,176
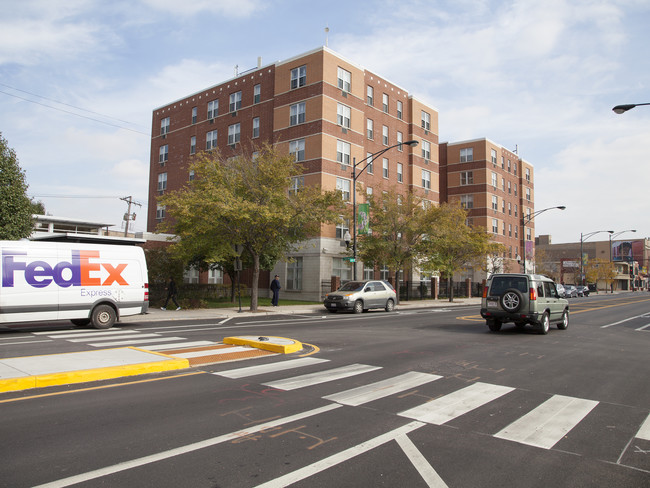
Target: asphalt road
419,398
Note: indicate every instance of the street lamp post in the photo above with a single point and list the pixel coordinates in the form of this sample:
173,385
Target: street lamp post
355,176
584,237
524,222
619,109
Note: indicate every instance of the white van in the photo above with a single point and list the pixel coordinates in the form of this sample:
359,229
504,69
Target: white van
85,283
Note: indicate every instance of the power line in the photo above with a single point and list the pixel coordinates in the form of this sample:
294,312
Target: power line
73,113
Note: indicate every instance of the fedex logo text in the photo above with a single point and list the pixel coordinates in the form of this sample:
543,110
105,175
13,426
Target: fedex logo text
83,270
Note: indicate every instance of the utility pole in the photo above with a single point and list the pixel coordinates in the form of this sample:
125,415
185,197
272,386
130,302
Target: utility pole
128,216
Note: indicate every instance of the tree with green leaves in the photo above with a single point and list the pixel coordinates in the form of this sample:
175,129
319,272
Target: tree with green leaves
452,244
398,226
16,208
256,202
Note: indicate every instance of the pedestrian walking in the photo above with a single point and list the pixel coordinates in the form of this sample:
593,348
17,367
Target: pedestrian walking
275,288
172,291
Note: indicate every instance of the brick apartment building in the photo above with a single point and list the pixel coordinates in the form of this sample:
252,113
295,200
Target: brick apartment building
328,112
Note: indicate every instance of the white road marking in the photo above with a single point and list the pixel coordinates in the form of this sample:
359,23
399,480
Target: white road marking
125,336
643,328
622,321
269,368
212,352
339,458
381,389
182,345
134,463
455,404
321,377
142,342
99,333
547,424
644,431
420,463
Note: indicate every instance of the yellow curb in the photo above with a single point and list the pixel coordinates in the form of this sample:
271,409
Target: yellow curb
15,384
268,345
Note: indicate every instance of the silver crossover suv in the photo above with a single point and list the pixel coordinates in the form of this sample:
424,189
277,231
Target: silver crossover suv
523,299
359,296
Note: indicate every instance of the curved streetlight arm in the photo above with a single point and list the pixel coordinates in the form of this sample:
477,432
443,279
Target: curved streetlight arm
584,237
619,109
535,214
611,236
372,157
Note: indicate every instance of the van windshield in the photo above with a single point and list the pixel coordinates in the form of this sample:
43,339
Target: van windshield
503,283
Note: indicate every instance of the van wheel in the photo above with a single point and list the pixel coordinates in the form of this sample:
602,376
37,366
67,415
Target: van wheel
545,324
565,321
512,300
494,325
358,306
80,322
103,317
390,305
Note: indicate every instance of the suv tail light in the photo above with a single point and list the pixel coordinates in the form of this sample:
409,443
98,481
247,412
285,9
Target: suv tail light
485,291
533,294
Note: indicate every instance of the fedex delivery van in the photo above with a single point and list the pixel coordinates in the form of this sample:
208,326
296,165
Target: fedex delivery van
85,283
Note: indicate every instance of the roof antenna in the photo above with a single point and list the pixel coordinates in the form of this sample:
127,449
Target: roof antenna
327,29
516,149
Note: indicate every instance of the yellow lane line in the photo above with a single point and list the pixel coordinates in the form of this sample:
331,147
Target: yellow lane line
316,349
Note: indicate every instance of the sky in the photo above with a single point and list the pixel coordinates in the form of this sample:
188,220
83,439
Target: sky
79,80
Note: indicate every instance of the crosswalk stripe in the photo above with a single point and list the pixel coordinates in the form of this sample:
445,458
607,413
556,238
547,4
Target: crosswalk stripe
547,424
321,377
381,389
181,345
212,352
89,339
98,333
269,368
455,404
644,431
142,342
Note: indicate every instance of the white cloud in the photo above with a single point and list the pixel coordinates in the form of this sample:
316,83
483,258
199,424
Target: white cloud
229,8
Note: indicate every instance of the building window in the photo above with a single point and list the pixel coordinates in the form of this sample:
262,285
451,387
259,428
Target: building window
495,203
234,132
426,120
466,155
515,189
514,168
426,179
191,176
298,77
503,206
466,177
503,184
370,125
516,210
383,272
516,231
343,186
297,113
343,152
504,228
343,115
426,150
213,109
344,79
195,111
384,102
370,95
211,140
399,110
297,148
215,276
400,176
160,212
368,272
494,180
368,191
297,183
235,101
342,269
467,201
257,93
294,274
529,235
164,126
384,135
193,145
493,153
527,174
369,163
509,187
163,154
509,208
495,226
509,166
162,181
256,127
342,226
400,138
384,166
528,194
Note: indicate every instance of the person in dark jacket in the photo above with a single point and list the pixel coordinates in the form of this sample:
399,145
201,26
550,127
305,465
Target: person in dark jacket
275,288
172,291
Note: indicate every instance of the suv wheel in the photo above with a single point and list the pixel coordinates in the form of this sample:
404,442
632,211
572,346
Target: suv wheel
545,324
358,306
511,300
390,305
565,321
494,325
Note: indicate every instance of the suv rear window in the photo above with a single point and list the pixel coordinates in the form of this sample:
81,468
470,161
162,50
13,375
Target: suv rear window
502,283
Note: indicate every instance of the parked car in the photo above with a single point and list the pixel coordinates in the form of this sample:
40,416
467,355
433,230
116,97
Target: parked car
583,291
570,291
523,299
360,296
560,290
